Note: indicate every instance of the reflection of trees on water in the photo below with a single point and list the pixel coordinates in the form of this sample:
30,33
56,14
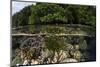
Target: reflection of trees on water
52,49
55,29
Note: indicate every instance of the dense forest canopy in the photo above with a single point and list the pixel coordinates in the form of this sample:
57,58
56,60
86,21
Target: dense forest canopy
47,13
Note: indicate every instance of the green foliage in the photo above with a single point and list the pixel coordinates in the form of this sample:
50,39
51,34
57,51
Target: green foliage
46,13
86,16
33,18
49,13
21,18
81,15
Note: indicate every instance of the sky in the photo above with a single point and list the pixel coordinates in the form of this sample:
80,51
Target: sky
17,6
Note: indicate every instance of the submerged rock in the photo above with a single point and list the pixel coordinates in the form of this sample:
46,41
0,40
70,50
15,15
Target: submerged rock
69,60
34,62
